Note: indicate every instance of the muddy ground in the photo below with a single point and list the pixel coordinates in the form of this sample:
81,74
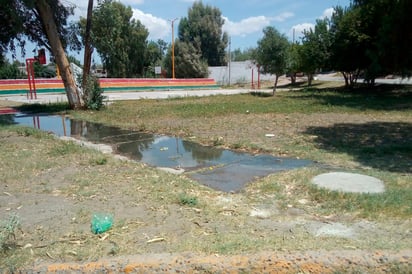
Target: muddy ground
54,195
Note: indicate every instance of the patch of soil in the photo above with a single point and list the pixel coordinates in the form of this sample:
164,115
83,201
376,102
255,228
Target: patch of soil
267,262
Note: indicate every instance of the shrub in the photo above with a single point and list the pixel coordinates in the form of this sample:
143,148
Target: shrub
185,199
10,71
7,231
93,94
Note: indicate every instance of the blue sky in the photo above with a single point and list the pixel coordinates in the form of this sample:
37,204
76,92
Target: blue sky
244,20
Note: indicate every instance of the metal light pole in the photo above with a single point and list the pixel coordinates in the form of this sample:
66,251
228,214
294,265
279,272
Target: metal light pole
173,47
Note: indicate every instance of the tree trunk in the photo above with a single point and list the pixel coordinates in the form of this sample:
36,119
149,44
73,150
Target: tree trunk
345,76
87,50
275,84
310,78
46,16
293,78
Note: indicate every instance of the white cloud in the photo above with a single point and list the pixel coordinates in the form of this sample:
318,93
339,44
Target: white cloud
327,13
246,26
283,16
132,2
81,6
298,29
158,27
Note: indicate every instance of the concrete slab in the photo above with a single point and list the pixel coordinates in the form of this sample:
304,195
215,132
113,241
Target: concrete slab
349,182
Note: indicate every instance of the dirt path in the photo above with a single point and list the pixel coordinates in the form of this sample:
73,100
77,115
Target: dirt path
291,262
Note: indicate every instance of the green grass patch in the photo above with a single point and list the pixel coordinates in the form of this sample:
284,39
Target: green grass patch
189,200
128,113
393,203
294,188
65,148
8,228
382,146
29,131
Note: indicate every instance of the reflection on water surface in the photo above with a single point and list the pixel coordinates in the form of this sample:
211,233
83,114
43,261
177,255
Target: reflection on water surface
220,169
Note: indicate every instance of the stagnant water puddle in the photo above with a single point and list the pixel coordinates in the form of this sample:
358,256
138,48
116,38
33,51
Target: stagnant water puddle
220,169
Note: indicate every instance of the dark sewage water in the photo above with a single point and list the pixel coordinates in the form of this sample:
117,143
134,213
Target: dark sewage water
220,169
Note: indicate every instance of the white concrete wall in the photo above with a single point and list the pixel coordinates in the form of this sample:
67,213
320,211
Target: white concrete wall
240,73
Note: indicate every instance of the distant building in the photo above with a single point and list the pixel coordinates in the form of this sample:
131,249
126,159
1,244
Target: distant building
100,73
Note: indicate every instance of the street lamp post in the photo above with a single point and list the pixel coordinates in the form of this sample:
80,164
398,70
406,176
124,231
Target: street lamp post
173,48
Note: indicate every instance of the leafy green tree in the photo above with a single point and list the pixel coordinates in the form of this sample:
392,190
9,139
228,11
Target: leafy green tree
20,20
136,49
43,71
293,61
316,49
74,60
119,39
349,44
203,29
399,44
188,62
3,60
44,23
11,24
386,24
10,71
153,57
163,46
271,53
242,55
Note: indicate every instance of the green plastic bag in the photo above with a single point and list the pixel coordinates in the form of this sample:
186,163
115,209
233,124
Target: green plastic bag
101,222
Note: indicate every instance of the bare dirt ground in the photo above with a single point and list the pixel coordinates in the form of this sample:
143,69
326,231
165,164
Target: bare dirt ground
54,192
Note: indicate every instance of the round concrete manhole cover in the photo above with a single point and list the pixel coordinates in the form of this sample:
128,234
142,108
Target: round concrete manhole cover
349,182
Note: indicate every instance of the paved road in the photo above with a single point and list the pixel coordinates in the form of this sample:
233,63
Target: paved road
113,96
163,94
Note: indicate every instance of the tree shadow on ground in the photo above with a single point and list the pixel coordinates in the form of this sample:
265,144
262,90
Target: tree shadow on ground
300,84
7,119
385,97
261,94
381,145
44,108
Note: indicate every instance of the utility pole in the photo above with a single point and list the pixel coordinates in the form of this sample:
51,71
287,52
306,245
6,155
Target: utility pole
230,58
173,47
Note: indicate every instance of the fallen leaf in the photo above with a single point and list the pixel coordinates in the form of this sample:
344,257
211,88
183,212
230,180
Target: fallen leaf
155,240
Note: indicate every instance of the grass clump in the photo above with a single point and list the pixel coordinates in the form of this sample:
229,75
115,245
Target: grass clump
7,232
28,131
64,148
99,161
185,199
373,206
